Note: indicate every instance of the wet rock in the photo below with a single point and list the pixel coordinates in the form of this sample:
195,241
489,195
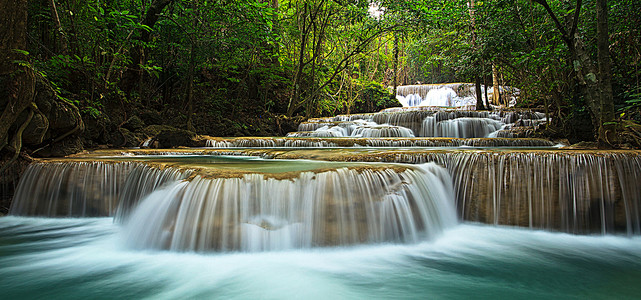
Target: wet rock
172,138
70,145
134,124
35,132
130,139
153,130
151,117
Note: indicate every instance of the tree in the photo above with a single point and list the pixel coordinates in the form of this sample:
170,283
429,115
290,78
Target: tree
17,81
592,79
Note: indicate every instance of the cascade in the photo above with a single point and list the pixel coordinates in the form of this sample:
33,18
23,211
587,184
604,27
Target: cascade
86,189
65,189
460,127
256,213
296,142
424,122
447,95
322,211
566,190
577,192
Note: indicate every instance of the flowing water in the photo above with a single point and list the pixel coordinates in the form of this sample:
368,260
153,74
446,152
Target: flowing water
407,203
86,259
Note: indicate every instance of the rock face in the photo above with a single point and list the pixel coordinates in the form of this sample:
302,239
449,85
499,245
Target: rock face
55,127
172,138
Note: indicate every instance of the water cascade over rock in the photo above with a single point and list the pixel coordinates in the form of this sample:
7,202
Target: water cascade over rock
86,189
423,122
573,191
447,95
256,213
295,142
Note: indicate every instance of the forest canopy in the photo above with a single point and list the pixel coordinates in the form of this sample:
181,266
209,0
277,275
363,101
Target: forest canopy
229,68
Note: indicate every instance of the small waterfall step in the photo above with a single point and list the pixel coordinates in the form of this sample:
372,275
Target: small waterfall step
461,95
244,204
576,191
332,208
425,122
343,142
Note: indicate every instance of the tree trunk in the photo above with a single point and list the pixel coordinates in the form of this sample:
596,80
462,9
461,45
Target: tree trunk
395,63
134,72
605,83
190,80
479,93
496,94
61,37
487,99
17,82
477,78
586,74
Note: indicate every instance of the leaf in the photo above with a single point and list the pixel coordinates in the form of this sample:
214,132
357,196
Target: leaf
20,51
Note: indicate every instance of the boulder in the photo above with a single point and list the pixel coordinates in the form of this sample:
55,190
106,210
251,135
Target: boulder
35,132
134,124
172,138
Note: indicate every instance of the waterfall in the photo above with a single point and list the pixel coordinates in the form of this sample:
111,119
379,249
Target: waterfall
256,213
424,122
447,94
295,142
382,131
571,191
460,127
86,189
575,191
444,95
63,189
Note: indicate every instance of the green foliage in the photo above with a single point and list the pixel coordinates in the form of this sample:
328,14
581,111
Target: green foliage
313,57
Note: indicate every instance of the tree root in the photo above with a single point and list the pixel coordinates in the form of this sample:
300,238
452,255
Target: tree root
58,139
17,141
80,125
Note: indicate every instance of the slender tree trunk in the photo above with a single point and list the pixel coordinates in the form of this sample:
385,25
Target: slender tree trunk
586,74
61,37
190,90
477,78
134,72
276,27
487,99
395,63
603,45
479,93
496,93
294,99
190,78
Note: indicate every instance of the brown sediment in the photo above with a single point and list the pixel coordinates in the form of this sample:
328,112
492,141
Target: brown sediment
210,173
213,171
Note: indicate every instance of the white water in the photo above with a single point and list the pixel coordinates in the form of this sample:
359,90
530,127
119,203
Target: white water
424,121
448,95
460,127
82,259
254,213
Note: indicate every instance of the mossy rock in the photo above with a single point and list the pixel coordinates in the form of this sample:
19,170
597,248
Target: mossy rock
70,145
175,138
153,130
133,124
